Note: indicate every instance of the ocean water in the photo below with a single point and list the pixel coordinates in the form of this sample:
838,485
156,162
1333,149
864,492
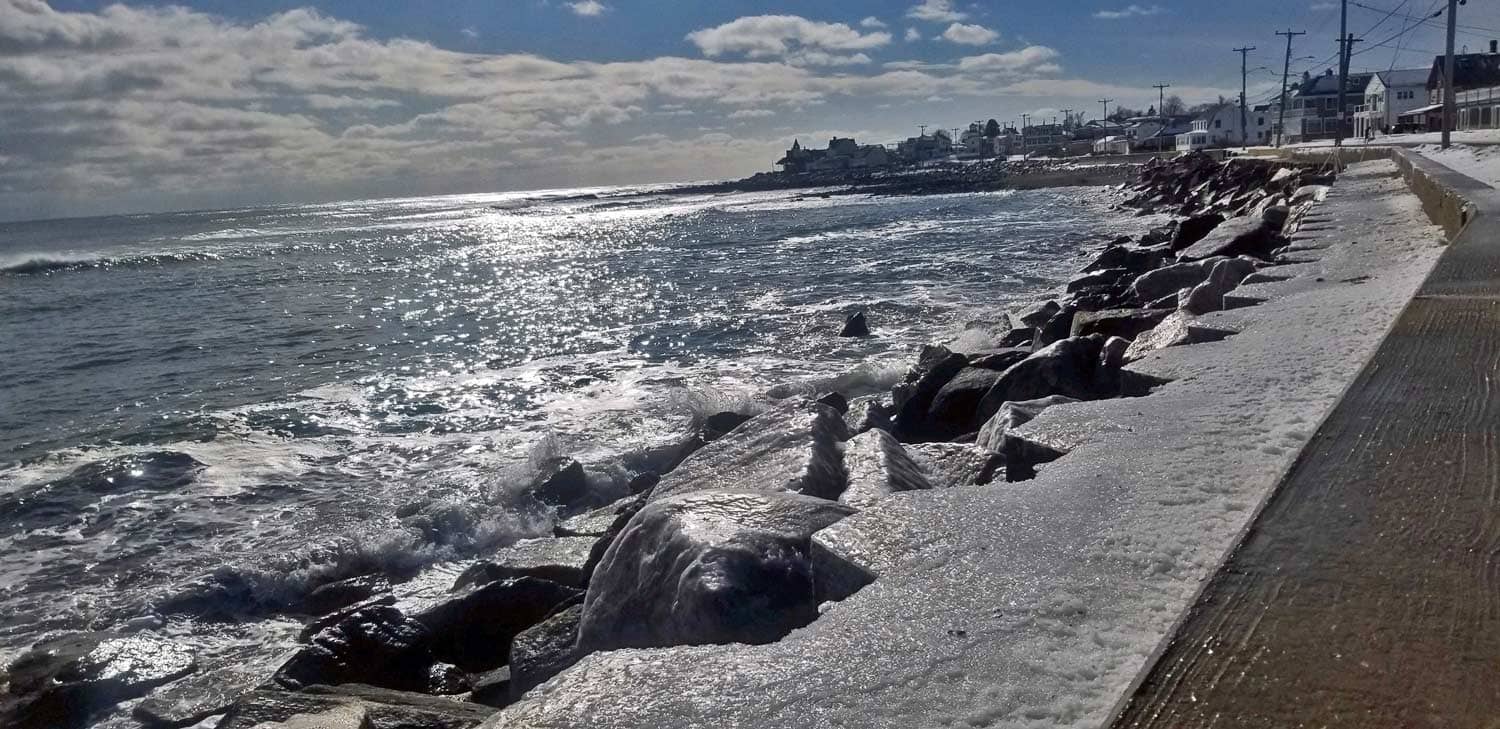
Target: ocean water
234,406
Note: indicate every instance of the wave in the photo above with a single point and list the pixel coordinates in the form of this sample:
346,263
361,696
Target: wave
40,265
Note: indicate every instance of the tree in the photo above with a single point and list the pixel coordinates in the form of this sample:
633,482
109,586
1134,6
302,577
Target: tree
1151,111
1122,113
1173,106
992,129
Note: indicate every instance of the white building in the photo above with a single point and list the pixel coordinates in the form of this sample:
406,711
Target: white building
1112,145
1389,95
1220,127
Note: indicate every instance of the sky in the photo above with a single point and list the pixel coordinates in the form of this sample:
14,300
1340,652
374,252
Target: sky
136,106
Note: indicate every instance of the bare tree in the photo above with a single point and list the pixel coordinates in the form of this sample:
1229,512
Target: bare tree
1173,106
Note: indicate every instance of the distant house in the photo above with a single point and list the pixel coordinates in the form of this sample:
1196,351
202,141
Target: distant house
1039,138
1117,144
1389,95
925,147
1219,126
1312,111
1476,91
842,153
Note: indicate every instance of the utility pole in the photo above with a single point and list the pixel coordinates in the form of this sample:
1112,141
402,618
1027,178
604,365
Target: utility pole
1244,120
1346,48
1105,102
1338,138
1067,116
1450,111
1286,70
1161,101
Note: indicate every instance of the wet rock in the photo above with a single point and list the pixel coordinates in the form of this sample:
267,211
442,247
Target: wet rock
1124,257
1069,367
1012,415
999,360
1039,314
951,413
1126,323
1020,337
374,644
62,683
1235,237
345,716
555,559
446,679
708,567
562,482
911,417
544,650
838,402
879,466
641,483
492,688
1023,454
793,447
1178,329
868,414
1194,229
856,326
1168,280
721,424
334,595
192,699
956,464
382,708
1056,328
474,628
1095,279
331,619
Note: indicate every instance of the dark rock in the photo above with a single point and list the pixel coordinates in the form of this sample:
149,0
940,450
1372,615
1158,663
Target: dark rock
999,360
708,567
1275,217
334,618
446,679
334,595
878,467
1022,455
836,401
544,650
642,482
1168,280
721,424
1070,367
793,446
956,464
1105,278
1056,328
1194,229
1039,314
1235,237
1126,323
562,482
190,700
559,559
1020,337
867,414
593,523
1228,273
1160,235
380,708
474,628
1123,257
492,688
373,644
623,516
1012,415
931,356
951,413
62,683
856,326
1201,299
911,417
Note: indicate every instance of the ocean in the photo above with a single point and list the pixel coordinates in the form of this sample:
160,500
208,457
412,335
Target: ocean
224,409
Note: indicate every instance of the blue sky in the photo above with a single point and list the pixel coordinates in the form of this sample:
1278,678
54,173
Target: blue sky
207,103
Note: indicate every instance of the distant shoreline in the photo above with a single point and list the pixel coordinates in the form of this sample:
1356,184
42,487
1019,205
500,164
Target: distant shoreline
933,179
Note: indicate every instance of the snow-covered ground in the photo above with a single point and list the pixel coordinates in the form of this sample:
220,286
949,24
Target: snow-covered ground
1481,163
1476,136
1038,603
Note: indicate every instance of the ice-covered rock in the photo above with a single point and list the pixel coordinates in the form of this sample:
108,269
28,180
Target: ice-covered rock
878,466
380,707
867,414
557,559
911,417
1069,367
473,628
956,464
951,413
708,567
1234,237
793,447
1178,329
62,683
544,650
1127,323
372,643
1012,415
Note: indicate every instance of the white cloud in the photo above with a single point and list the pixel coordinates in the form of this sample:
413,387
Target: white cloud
871,22
469,33
1322,6
797,39
587,8
750,114
1130,11
1034,58
935,11
969,35
912,34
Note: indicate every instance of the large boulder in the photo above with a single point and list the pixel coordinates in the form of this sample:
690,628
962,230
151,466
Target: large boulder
957,464
856,326
1168,280
1070,367
1094,279
544,650
380,708
1235,237
1012,415
1194,229
867,414
1039,314
793,447
187,701
1126,323
998,360
879,466
372,643
473,628
1125,257
707,567
951,413
62,683
1056,328
561,482
1178,329
911,417
556,559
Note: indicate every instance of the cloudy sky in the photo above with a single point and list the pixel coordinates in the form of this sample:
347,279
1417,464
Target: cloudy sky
215,103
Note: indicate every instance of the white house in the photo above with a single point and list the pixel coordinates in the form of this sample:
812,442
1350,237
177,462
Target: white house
1112,145
1219,126
1389,95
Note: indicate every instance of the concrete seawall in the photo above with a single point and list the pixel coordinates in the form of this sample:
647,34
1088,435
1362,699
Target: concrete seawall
1363,595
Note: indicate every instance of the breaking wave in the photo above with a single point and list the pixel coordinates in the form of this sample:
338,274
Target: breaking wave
27,265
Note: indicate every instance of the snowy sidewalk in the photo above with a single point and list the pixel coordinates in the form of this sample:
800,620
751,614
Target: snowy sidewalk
1367,594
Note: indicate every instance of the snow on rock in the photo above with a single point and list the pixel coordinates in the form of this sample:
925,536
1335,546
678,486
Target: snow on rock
879,466
1038,604
708,567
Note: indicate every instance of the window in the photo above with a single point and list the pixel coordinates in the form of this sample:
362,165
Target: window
1218,123
1260,121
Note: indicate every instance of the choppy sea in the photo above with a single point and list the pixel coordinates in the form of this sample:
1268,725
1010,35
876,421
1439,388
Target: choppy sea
249,397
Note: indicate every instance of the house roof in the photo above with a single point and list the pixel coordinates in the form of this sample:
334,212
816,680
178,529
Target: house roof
1328,84
1470,71
1403,77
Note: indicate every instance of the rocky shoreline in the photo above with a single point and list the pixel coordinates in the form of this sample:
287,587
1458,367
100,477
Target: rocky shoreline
934,178
726,538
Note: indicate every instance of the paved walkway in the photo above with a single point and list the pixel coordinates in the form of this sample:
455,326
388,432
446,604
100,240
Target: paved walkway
1367,593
